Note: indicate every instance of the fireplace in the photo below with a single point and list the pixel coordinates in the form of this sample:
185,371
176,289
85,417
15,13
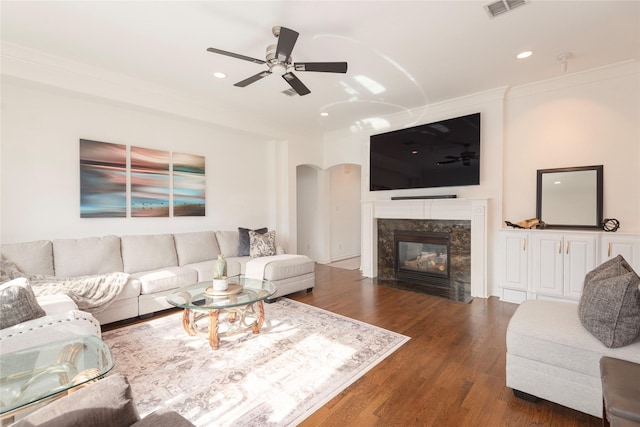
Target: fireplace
425,256
422,257
464,219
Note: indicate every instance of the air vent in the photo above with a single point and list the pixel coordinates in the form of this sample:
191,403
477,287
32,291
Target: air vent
501,6
290,92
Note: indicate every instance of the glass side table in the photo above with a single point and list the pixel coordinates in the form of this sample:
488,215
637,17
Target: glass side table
37,375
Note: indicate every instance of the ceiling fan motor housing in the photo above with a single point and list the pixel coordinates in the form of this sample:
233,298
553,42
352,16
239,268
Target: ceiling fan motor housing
276,66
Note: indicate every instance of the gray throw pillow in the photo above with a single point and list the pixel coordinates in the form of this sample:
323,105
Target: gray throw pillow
18,303
245,243
610,304
105,403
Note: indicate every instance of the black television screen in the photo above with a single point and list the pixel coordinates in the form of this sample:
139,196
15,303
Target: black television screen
440,154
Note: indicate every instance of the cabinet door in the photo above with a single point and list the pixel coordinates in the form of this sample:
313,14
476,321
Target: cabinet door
579,259
547,264
515,260
626,245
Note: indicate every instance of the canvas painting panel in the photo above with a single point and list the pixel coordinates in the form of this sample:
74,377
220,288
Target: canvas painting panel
188,185
149,182
103,179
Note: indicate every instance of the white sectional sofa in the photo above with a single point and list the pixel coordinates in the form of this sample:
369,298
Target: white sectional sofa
157,265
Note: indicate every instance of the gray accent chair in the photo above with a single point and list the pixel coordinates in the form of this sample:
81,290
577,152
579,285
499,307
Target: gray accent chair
105,403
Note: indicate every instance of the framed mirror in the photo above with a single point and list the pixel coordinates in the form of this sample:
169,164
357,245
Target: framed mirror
570,197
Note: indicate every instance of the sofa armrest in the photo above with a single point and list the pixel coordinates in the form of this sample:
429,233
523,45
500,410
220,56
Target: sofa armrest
58,303
48,329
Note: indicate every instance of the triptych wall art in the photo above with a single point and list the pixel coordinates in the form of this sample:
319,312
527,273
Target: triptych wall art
103,182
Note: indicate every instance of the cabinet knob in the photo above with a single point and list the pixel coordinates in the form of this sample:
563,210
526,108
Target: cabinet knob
524,244
567,247
559,246
609,250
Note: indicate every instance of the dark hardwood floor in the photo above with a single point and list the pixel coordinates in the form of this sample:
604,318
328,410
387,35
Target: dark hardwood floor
450,373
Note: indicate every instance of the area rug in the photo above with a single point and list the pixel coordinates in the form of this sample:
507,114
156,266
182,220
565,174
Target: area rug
302,358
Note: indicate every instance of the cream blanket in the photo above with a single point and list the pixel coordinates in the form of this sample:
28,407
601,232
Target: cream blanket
255,267
90,293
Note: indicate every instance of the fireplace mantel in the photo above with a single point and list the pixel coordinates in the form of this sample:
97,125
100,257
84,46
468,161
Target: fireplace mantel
474,210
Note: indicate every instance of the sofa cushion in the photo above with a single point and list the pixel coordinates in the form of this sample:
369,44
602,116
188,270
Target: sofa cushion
165,279
196,247
104,403
244,242
262,244
87,256
18,303
148,252
31,257
228,242
287,268
609,307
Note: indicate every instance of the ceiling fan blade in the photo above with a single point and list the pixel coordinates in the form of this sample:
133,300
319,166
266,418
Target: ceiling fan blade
446,162
323,67
236,55
296,84
286,40
253,79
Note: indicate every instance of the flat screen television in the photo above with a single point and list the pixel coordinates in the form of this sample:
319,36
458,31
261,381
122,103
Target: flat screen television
439,154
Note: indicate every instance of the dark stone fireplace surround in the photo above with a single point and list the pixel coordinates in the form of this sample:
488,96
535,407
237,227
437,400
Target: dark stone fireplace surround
460,245
456,210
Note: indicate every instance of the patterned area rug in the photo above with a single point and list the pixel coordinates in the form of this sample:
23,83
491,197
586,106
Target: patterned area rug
303,357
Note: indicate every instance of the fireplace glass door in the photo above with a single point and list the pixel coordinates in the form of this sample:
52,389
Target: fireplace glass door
422,257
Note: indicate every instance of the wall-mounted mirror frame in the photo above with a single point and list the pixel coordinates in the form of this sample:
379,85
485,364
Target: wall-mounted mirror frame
570,197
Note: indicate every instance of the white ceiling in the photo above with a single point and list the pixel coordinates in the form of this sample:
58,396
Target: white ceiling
421,52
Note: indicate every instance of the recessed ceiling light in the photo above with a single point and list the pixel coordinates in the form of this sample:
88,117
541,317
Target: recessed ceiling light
525,54
324,114
219,75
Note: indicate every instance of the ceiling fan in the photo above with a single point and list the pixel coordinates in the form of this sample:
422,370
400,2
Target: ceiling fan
465,157
278,59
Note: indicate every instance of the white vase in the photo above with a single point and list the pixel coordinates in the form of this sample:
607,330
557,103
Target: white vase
220,284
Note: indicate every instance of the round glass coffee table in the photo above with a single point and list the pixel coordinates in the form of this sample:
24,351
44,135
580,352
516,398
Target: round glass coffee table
238,309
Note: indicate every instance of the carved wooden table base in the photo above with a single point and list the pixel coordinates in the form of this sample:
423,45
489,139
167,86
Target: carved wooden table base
239,319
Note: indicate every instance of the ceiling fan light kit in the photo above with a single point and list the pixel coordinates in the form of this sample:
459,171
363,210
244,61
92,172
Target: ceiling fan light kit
278,59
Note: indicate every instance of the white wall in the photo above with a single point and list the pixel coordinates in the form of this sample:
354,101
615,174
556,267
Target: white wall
41,128
344,211
585,119
308,217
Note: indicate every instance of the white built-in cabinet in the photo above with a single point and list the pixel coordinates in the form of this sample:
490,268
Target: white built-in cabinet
546,264
513,260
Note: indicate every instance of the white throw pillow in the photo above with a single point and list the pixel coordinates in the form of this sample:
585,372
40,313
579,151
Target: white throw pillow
262,244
